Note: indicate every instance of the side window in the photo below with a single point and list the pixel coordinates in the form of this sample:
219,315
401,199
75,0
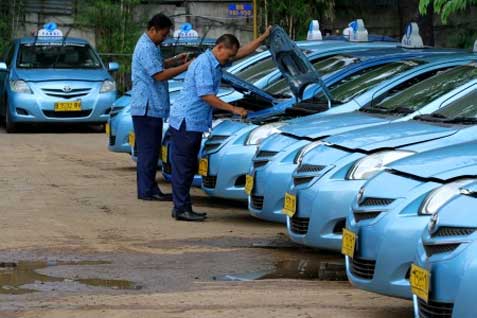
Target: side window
406,84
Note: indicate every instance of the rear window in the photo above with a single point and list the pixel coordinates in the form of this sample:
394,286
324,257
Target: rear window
68,56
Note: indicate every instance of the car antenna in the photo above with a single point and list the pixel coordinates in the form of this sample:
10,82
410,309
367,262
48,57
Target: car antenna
201,44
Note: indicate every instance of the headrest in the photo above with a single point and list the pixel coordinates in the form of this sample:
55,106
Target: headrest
314,33
357,31
412,39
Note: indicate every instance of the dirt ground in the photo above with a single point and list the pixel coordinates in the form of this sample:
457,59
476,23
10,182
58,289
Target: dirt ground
68,210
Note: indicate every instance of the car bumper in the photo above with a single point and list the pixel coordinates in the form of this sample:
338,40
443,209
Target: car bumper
271,184
28,108
391,244
326,205
119,135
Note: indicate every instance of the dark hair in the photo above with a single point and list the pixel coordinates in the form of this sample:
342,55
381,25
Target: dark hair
159,21
229,41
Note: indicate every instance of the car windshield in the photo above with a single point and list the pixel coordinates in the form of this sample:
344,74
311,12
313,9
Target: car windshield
358,83
324,66
461,111
257,70
42,55
421,94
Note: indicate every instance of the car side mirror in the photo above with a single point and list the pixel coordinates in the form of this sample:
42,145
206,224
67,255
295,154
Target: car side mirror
113,66
3,67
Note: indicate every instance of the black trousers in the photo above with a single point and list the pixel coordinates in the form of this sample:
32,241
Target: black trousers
148,132
184,152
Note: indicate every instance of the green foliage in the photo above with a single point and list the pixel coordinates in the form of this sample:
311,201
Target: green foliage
445,7
294,15
10,15
116,31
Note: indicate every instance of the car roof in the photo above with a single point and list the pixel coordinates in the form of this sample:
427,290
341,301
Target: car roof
188,41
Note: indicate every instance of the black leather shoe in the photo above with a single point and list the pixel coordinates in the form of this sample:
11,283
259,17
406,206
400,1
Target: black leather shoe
198,213
189,216
158,197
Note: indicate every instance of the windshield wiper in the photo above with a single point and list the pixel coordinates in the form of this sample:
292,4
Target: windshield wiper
462,120
431,117
401,110
374,109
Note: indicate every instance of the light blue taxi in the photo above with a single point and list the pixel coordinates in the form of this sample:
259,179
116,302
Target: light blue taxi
391,211
51,78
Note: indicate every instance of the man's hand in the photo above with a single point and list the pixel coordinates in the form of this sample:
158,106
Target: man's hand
242,112
267,32
182,58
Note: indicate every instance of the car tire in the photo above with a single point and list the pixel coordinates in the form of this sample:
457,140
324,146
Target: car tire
10,126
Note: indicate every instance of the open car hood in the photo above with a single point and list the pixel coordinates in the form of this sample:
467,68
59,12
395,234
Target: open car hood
292,62
245,87
443,163
390,135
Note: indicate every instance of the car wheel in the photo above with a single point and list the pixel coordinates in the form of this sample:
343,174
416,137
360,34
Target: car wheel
10,126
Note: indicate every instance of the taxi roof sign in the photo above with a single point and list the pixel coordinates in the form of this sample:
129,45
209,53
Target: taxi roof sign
50,30
412,39
314,33
186,31
356,31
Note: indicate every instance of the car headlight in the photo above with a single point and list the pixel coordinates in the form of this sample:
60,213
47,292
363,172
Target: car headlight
440,196
257,135
20,86
108,86
370,165
303,151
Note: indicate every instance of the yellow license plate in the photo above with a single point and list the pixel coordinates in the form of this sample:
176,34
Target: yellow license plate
348,243
203,167
289,206
164,154
249,184
68,106
107,129
420,281
132,139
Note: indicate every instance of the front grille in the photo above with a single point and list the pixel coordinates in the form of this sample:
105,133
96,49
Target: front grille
256,201
434,309
215,138
376,202
112,140
338,228
432,250
211,147
265,154
453,231
78,114
209,182
167,168
74,93
299,225
258,164
362,268
310,168
363,216
302,180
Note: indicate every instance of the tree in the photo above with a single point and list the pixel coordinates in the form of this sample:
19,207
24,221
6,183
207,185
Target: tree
294,15
11,14
445,7
116,31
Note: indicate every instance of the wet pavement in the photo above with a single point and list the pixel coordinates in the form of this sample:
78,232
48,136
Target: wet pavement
76,243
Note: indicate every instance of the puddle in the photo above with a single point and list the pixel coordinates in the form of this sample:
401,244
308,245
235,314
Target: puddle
307,269
14,276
